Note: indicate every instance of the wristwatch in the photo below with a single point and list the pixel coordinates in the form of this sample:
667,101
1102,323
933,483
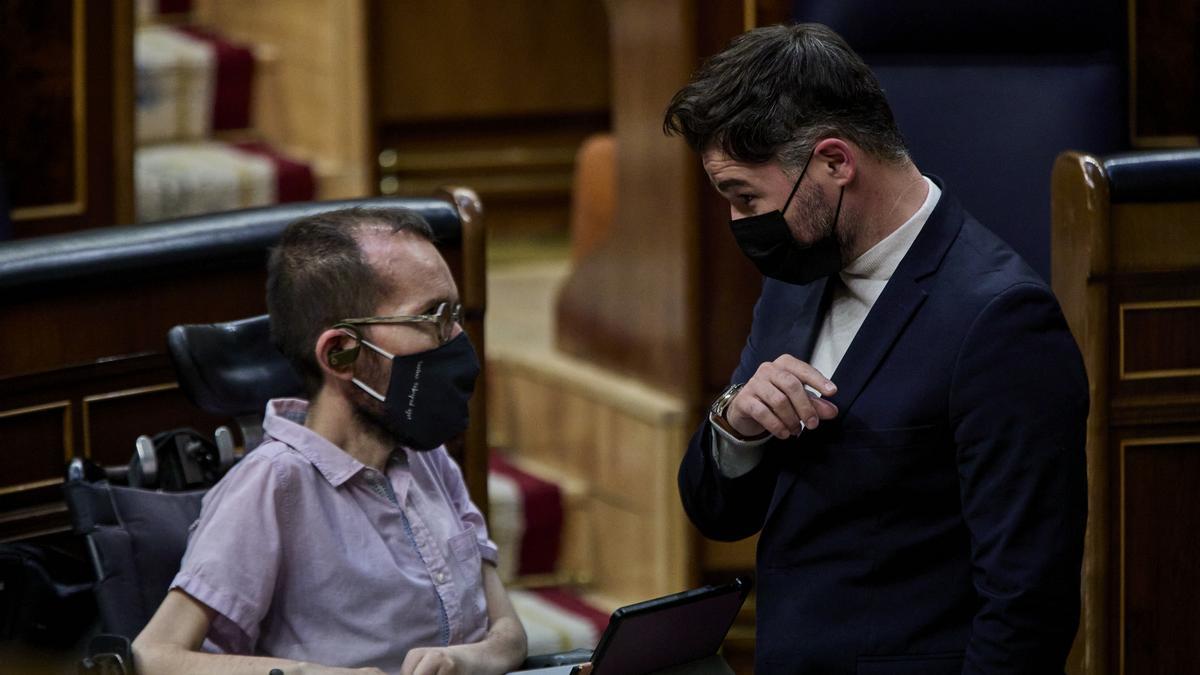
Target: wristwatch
716,416
722,403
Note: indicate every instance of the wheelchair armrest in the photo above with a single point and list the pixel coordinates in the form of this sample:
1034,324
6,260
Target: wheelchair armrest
87,471
108,655
581,655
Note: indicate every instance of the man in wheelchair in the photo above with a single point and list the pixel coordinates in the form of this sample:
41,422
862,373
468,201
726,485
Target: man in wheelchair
347,539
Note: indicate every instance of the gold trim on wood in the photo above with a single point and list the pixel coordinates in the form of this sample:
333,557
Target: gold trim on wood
7,521
25,536
1126,443
79,114
392,160
32,485
34,408
492,186
108,396
1123,374
1182,141
44,212
67,435
40,510
749,14
124,137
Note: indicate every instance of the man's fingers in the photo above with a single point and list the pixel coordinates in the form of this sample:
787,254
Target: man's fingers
800,404
825,409
776,399
793,400
420,661
806,374
413,661
753,407
782,403
432,662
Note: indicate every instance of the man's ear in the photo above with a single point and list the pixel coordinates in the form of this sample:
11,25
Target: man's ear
836,159
335,351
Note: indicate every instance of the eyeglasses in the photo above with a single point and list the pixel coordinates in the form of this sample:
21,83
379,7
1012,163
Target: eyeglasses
443,318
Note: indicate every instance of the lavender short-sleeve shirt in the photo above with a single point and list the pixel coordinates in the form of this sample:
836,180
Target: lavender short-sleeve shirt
305,553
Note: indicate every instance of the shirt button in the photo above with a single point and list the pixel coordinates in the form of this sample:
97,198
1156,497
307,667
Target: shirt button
440,577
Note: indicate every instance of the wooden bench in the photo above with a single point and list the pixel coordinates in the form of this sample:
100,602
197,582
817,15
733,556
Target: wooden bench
1126,268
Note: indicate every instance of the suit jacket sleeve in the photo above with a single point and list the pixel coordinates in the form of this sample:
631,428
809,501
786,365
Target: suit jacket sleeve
1018,409
727,509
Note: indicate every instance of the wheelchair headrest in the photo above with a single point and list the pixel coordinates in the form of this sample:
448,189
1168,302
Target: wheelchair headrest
231,368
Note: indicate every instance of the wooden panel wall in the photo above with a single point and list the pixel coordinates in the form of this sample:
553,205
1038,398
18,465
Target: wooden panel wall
83,372
1158,577
1128,278
310,94
498,96
461,59
1164,37
67,67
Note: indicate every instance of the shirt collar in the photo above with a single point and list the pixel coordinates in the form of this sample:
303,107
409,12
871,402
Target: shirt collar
882,259
284,422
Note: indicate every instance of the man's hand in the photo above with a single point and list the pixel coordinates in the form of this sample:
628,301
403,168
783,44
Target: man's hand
774,400
431,661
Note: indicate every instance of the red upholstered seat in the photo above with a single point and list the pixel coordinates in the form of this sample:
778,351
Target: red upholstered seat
540,508
191,83
526,521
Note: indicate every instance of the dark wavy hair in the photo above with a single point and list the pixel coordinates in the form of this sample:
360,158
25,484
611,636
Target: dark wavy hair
774,92
317,275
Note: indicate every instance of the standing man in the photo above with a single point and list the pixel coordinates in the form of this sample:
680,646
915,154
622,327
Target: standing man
906,426
347,539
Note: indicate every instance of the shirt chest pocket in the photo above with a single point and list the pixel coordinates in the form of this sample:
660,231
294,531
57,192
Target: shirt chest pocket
467,564
464,548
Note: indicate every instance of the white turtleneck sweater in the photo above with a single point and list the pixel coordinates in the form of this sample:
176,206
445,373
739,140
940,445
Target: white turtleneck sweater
861,283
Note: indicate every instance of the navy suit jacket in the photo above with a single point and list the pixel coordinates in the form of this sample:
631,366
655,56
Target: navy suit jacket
936,526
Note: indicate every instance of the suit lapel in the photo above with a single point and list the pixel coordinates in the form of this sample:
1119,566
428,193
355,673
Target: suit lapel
879,331
887,320
901,298
802,338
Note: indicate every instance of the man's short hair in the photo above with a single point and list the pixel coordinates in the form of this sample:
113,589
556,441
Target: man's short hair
774,92
317,275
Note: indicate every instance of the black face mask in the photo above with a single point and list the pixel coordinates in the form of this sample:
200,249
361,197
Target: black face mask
426,403
767,241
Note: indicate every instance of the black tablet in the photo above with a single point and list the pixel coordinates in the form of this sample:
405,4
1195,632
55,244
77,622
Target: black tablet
669,631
